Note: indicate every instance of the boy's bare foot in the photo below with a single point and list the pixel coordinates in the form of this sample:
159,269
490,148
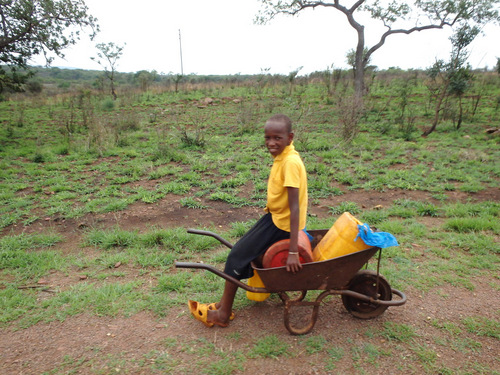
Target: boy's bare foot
218,318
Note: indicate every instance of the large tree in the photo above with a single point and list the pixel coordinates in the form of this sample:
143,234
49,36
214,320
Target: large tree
33,27
397,17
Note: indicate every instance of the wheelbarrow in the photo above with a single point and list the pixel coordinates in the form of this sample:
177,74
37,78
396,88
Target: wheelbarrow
365,293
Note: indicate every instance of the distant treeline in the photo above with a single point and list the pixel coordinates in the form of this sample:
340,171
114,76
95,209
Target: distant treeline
54,80
56,75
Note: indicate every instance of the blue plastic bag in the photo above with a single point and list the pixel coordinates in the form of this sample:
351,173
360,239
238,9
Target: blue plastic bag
378,239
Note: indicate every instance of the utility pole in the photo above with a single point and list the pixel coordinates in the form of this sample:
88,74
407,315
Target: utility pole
180,48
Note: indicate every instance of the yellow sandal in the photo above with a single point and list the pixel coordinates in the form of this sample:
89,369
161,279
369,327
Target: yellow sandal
200,312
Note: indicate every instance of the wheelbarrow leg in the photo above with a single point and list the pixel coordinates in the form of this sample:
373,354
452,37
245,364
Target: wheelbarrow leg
298,302
285,297
307,328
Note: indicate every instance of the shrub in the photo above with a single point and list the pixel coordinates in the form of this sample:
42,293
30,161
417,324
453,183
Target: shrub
38,157
350,111
34,86
108,104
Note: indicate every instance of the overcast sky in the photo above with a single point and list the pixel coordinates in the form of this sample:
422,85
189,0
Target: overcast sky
219,37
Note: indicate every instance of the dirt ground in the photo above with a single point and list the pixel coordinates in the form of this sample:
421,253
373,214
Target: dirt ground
92,340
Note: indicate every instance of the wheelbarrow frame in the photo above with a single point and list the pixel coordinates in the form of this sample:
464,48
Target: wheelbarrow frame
333,276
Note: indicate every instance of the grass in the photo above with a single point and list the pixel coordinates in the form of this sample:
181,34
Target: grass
269,347
191,202
109,293
473,224
482,326
196,158
398,332
351,207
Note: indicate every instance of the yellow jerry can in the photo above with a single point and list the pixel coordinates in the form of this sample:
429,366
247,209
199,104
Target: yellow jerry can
256,282
339,240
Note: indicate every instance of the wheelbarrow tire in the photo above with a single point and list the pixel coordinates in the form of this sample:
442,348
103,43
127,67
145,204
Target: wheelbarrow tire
365,282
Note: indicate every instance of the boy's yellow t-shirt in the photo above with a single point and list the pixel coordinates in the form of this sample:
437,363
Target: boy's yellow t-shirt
288,170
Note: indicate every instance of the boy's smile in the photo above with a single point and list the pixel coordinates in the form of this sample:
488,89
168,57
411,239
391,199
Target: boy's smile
276,137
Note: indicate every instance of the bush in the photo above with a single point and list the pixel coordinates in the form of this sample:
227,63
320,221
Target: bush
350,111
108,104
34,86
128,122
38,157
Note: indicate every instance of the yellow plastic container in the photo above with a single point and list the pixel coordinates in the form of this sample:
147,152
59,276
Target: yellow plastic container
339,240
256,282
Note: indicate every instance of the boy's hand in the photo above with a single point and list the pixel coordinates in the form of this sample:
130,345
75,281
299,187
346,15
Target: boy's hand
293,262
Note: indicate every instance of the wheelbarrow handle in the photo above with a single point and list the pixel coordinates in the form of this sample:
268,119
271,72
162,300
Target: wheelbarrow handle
225,276
211,234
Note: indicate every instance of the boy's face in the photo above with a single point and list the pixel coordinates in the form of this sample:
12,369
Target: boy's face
277,137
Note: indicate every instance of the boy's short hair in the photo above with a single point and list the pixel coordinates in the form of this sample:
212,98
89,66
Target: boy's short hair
284,119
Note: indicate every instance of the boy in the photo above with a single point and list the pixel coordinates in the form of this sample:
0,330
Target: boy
286,215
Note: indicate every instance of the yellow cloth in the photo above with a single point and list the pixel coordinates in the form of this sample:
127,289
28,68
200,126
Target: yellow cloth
288,170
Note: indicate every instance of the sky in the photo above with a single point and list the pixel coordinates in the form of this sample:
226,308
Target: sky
219,37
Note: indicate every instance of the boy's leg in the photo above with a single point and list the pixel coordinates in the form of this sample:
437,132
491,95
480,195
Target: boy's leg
252,245
225,306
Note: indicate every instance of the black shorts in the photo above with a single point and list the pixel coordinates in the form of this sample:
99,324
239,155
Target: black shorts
253,244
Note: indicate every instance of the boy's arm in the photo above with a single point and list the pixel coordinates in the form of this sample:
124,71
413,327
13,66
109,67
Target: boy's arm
293,262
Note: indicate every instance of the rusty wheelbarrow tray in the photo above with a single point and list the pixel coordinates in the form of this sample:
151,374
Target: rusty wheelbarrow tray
365,293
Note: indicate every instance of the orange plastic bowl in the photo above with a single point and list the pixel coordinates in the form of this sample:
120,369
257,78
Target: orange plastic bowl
277,254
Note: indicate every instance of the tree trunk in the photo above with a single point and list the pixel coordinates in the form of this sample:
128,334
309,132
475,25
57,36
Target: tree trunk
436,111
113,92
359,73
476,104
112,83
460,113
359,81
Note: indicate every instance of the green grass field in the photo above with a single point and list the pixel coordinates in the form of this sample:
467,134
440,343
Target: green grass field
75,158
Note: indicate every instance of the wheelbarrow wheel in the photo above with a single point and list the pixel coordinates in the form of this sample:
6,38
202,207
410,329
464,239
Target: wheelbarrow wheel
365,282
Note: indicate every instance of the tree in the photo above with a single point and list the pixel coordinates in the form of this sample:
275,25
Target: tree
351,60
145,78
397,17
330,78
452,78
177,81
32,27
291,79
108,56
